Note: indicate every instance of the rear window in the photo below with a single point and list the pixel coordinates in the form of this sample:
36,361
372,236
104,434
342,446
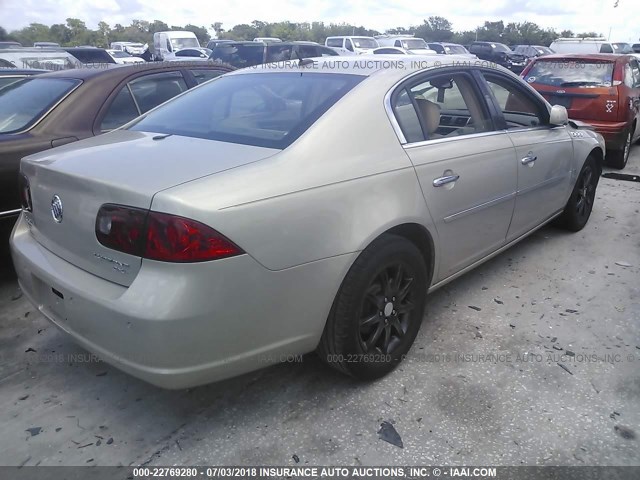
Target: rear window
267,110
25,102
364,42
91,55
243,55
571,73
413,44
455,49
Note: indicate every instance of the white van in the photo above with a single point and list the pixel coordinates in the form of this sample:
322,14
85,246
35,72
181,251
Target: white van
582,45
351,45
166,43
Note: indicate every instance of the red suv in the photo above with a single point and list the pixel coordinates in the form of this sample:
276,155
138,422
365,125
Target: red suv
600,89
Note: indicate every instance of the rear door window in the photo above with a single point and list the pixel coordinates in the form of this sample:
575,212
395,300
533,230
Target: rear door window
122,110
152,90
442,106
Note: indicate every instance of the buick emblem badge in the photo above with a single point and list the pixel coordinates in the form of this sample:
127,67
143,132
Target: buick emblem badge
56,208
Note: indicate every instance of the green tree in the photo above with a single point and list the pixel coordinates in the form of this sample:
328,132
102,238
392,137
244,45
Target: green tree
201,33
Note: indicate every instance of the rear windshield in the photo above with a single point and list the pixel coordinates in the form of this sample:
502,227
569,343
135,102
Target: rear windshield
455,49
91,55
622,48
242,55
23,103
267,110
571,73
364,42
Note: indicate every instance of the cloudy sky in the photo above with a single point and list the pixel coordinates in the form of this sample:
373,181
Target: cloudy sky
576,15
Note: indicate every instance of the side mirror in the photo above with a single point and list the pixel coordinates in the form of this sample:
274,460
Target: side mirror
558,115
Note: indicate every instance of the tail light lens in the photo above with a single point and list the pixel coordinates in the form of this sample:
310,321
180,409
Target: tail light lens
121,228
160,236
25,192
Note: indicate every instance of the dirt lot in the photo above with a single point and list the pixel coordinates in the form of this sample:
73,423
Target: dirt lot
534,358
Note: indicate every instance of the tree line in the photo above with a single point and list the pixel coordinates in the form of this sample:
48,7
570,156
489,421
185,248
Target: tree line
436,29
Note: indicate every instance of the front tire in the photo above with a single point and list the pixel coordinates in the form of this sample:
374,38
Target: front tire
378,310
578,209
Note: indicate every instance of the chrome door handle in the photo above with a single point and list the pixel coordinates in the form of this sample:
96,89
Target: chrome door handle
528,159
439,182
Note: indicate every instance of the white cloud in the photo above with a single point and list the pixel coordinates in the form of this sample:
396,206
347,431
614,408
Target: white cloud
579,16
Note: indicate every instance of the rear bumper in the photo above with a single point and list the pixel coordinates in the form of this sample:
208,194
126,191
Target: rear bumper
181,325
613,133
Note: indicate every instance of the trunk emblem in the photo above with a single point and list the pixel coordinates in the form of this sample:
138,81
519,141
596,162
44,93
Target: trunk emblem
56,208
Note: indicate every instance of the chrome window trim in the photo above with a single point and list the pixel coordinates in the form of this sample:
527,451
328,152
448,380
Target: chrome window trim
434,141
46,114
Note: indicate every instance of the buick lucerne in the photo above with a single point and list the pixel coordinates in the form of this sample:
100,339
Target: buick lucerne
280,210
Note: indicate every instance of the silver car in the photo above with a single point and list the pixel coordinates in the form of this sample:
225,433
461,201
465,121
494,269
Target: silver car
283,209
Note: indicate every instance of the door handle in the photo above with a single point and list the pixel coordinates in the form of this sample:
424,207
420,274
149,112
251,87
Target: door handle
439,182
528,159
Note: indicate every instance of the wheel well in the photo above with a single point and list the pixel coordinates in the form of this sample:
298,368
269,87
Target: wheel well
421,238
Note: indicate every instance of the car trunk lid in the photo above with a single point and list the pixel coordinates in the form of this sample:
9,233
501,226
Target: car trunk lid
122,167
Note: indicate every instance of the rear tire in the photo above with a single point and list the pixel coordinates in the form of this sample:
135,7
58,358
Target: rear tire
378,310
578,209
618,158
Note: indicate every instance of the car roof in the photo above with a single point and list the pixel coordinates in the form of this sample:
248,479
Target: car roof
586,56
21,71
118,70
366,65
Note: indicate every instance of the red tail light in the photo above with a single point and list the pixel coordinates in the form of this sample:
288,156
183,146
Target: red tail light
160,236
25,192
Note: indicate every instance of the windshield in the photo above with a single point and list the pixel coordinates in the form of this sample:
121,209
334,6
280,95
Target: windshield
501,47
364,42
239,55
455,49
180,43
622,47
565,73
267,110
119,54
544,50
23,103
414,44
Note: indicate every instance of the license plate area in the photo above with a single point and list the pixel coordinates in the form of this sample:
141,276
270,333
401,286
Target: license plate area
559,100
51,300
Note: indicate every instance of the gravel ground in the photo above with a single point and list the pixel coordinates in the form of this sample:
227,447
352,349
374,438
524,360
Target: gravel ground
531,359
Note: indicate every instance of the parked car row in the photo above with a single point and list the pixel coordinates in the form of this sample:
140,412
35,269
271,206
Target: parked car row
121,243
39,112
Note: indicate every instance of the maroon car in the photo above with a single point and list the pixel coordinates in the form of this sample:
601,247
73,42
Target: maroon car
600,89
52,109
